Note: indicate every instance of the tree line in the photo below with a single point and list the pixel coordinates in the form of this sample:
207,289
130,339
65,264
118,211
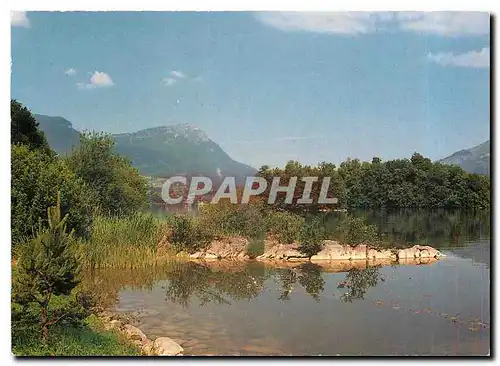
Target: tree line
401,183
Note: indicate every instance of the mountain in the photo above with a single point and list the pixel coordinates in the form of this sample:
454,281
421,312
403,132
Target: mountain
59,132
160,151
473,160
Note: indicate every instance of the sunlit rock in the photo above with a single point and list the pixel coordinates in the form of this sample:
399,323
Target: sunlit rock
165,346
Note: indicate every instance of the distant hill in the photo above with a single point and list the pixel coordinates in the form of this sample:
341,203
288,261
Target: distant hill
59,132
158,151
473,160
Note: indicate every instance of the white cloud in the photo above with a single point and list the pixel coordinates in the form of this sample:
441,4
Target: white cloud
446,23
70,72
101,79
471,59
323,22
97,80
441,23
169,81
19,19
178,74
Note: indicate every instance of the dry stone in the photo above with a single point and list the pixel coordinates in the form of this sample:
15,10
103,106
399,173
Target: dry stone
164,346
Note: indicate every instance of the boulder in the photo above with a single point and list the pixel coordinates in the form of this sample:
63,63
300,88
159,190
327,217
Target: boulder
427,251
408,253
381,254
164,346
293,253
134,333
323,255
148,348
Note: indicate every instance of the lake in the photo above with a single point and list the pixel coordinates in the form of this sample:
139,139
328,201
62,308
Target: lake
250,308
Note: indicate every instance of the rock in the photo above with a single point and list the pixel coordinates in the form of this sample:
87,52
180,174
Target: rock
134,333
428,251
115,324
148,348
292,253
358,252
196,255
164,346
408,253
381,254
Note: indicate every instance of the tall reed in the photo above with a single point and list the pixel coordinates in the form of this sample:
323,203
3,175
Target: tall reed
129,241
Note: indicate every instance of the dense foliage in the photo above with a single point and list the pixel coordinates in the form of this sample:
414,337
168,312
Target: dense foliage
401,183
311,237
186,234
36,180
24,129
119,189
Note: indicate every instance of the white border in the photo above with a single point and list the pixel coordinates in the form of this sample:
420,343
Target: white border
426,5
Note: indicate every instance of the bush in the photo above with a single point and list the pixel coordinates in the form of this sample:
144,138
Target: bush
284,226
353,231
186,234
36,180
226,219
311,237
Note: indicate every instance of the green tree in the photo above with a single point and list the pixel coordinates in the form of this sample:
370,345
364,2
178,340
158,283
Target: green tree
47,267
311,237
36,180
119,188
24,128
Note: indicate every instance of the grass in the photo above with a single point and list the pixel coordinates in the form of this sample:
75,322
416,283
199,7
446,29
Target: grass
89,340
123,241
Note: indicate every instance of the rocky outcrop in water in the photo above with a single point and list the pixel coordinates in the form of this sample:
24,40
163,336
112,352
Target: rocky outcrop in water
225,248
235,248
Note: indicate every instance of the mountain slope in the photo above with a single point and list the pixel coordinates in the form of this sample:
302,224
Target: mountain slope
59,132
473,160
158,151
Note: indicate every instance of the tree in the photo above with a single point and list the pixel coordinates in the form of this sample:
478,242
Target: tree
119,188
24,128
47,267
36,180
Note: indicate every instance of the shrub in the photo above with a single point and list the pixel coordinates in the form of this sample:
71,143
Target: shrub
48,267
311,237
186,235
225,219
284,226
353,231
36,180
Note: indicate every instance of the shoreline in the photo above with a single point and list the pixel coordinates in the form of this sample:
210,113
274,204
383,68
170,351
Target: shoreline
235,248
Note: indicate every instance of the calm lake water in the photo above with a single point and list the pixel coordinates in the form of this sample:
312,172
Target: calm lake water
442,308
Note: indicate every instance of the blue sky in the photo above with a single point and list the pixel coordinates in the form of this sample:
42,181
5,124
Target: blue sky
267,87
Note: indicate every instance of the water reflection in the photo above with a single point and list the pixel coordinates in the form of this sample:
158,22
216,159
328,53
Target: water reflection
187,280
439,228
358,281
224,283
